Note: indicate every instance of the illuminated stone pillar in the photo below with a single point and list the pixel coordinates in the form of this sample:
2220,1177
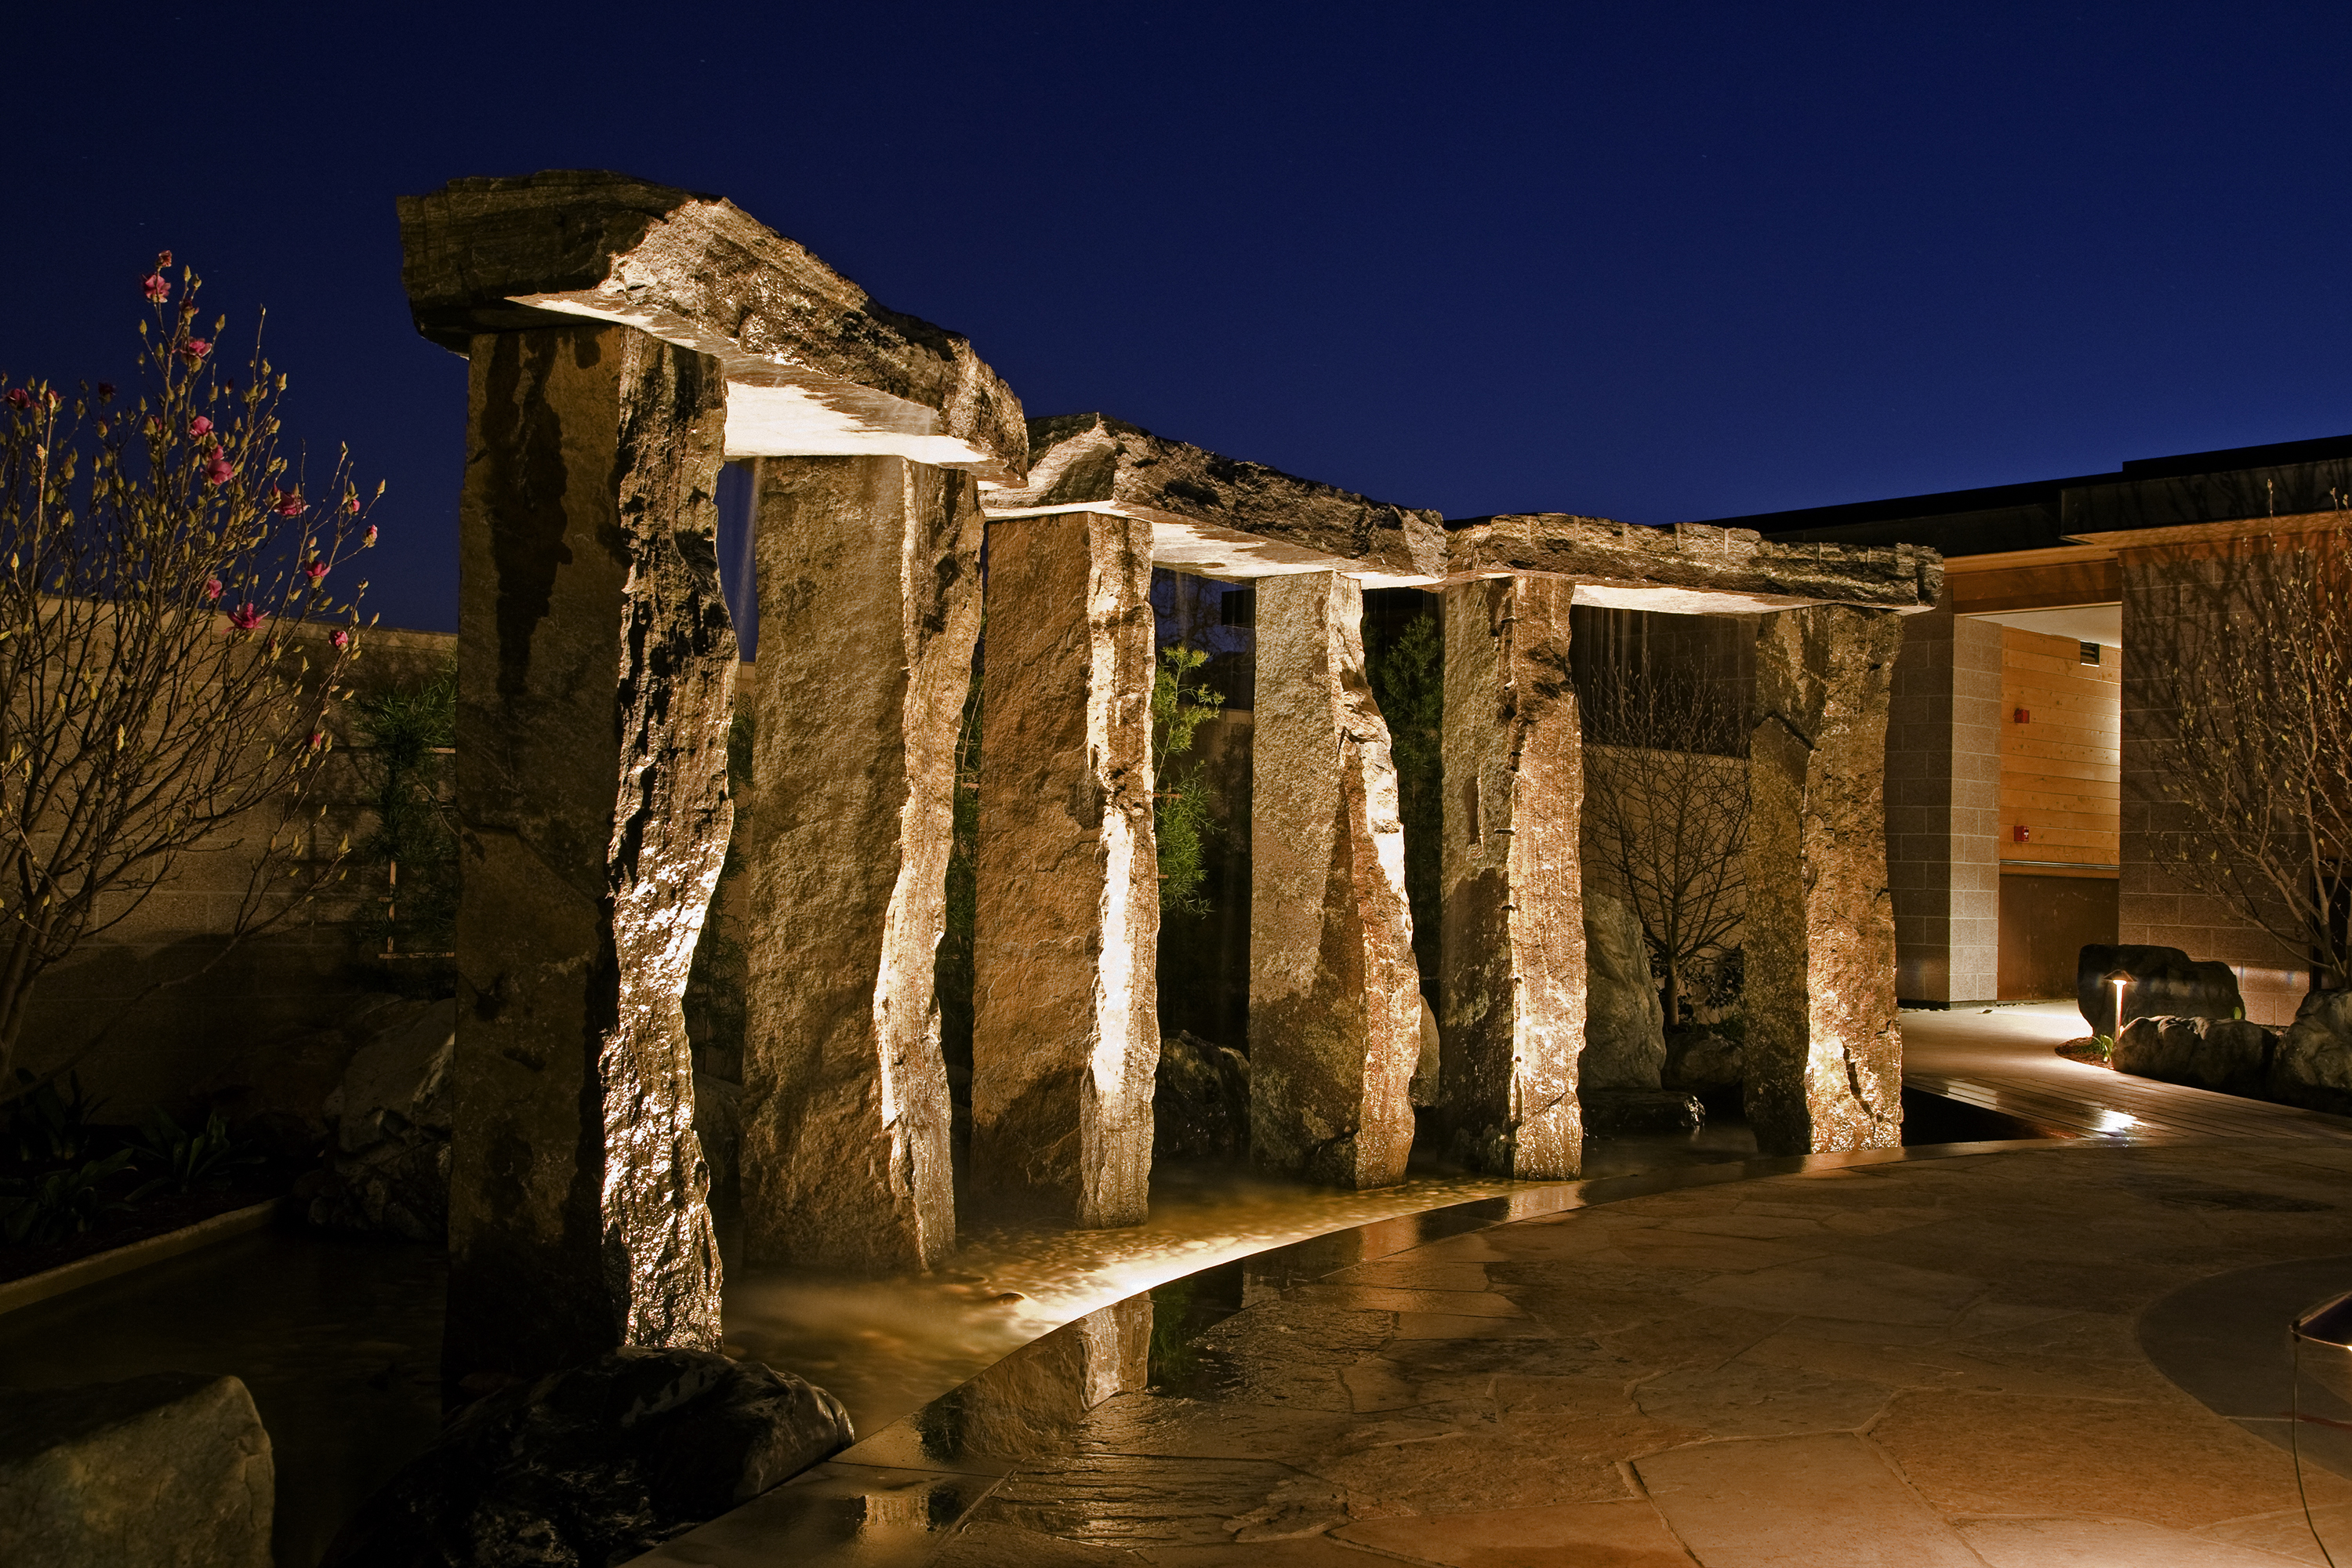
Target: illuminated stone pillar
596,668
1824,1048
869,604
1511,1007
1335,999
1066,1031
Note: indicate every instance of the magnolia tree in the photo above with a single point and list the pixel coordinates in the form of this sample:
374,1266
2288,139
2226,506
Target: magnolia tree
173,628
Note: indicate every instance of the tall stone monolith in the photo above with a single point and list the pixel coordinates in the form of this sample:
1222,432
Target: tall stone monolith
869,604
1824,1049
1511,1009
1066,1032
1335,1000
596,668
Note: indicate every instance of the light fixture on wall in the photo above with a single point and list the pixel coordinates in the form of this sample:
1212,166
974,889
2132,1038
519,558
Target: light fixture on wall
2020,833
2025,716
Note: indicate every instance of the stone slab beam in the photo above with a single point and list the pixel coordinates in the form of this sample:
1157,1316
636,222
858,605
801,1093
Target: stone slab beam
1824,1048
816,366
1335,999
1511,1007
1066,1034
870,605
596,668
1223,518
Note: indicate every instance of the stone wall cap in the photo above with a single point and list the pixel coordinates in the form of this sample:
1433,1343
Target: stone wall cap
814,365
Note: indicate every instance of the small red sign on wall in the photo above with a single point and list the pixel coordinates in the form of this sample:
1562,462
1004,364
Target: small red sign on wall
2025,715
2021,834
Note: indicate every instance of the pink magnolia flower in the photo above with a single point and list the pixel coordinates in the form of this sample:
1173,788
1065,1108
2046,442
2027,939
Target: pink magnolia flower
218,470
286,503
318,739
19,398
158,289
367,540
162,260
351,503
212,590
246,617
200,426
195,349
318,571
340,641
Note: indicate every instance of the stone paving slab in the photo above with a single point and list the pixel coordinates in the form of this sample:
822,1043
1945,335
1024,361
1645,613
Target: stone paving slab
1892,1358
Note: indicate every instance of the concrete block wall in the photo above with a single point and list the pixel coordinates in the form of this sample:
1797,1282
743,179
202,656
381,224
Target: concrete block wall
2153,906
1943,784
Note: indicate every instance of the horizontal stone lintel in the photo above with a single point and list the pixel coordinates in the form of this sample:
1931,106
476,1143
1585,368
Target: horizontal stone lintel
814,368
1219,517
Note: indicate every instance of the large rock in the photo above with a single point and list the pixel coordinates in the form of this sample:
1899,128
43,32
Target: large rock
2166,983
1824,1047
594,1465
1624,1022
1201,1107
869,596
1699,1061
815,364
1622,1112
2230,1055
1335,997
276,1090
1066,1008
169,1471
1511,965
596,677
388,1164
2313,1063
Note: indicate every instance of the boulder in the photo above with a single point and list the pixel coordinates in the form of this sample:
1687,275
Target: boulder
388,1166
1613,1112
2166,983
1625,1023
275,1091
170,1469
719,1126
1428,1074
1699,1061
1201,1104
2313,1063
2230,1055
594,1465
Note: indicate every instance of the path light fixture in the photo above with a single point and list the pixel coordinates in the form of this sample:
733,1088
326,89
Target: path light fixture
2118,978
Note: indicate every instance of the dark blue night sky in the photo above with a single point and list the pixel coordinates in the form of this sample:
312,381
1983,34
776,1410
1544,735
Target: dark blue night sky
1656,262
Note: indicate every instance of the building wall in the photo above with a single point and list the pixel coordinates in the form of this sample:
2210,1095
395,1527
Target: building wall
1943,770
2152,906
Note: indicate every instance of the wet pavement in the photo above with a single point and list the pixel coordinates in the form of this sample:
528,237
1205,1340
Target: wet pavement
1914,1357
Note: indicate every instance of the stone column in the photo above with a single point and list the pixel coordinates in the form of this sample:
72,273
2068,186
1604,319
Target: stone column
869,604
1825,1051
596,668
1511,1009
1066,1006
1335,999
1943,808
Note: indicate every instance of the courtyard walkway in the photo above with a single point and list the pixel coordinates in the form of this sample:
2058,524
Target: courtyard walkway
1902,1358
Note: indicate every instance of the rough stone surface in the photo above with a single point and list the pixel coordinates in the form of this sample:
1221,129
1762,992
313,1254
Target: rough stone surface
1200,1108
1700,1062
1609,1112
1511,1002
1624,1022
2230,1055
869,595
1335,999
595,672
595,1465
502,255
172,1469
2313,1063
1824,1048
1703,560
1066,1006
1268,518
2166,983
387,1169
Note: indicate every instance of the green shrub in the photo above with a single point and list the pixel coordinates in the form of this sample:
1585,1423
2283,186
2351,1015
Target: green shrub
42,1211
